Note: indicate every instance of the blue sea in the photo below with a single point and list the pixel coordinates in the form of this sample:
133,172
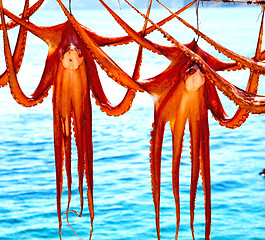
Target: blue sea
122,185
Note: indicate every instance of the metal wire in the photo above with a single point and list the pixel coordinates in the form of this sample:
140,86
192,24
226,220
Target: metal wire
70,6
197,15
258,2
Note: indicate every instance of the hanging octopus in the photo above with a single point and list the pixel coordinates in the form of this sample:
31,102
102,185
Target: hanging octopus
185,92
72,72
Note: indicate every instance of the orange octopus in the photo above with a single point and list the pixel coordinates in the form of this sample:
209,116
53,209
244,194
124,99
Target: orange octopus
186,91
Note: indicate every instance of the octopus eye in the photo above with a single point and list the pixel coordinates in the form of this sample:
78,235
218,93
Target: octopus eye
191,70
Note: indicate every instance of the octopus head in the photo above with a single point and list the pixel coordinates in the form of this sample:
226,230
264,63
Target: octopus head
194,78
72,58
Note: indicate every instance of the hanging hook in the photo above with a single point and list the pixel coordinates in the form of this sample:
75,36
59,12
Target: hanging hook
120,7
197,15
261,12
70,7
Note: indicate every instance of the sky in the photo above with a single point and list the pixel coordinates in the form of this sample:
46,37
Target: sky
17,4
49,4
95,4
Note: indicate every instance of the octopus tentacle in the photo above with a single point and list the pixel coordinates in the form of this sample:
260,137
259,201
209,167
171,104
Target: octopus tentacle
136,72
47,77
17,57
79,118
153,23
250,102
213,62
11,24
59,158
65,124
205,172
128,29
16,91
50,67
83,127
195,144
177,142
138,63
126,103
156,48
214,103
88,157
155,164
123,107
162,22
79,129
105,41
241,60
48,34
99,95
67,151
98,92
19,49
177,129
241,114
219,113
105,62
21,41
195,135
77,136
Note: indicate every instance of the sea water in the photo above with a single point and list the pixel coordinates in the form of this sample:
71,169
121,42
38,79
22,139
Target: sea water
122,186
